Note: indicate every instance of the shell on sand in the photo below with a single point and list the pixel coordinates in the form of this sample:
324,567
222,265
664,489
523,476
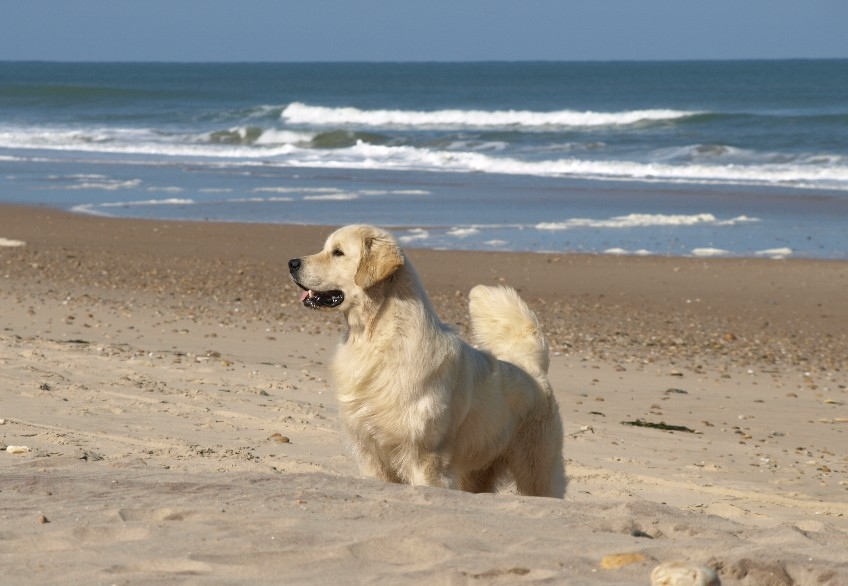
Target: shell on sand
17,449
683,574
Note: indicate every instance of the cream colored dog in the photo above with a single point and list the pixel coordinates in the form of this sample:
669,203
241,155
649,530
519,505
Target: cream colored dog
419,405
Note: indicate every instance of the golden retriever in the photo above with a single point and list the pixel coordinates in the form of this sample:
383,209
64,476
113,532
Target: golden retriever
419,405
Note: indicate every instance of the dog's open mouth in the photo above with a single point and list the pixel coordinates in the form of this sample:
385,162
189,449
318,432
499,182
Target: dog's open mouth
321,299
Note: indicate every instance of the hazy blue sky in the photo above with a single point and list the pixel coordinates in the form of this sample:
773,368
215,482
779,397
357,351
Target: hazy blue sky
438,30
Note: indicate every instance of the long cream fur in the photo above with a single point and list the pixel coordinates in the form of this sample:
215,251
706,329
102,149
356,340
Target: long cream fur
418,404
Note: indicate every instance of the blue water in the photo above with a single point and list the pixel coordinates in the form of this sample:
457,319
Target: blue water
689,158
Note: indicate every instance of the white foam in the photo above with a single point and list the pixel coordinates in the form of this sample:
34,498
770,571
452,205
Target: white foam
332,197
82,176
775,253
644,221
90,209
707,252
278,137
97,209
105,184
463,232
414,234
259,199
7,242
138,142
370,156
625,252
710,164
297,190
299,113
149,202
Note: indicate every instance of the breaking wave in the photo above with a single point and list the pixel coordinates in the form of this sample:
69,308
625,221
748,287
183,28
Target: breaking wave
299,113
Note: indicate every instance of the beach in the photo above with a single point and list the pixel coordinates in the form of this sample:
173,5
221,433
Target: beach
168,417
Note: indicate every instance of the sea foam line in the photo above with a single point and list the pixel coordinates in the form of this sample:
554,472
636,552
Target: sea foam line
644,221
369,156
173,201
800,174
95,209
300,113
709,252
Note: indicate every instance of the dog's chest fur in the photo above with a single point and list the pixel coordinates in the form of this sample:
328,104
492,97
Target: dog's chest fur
379,401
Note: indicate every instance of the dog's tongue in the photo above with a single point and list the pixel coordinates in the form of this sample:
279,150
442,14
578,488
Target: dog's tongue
304,295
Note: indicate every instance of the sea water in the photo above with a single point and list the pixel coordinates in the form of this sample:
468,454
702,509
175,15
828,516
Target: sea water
736,158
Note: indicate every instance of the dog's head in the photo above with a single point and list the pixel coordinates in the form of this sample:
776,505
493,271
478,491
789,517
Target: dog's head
354,259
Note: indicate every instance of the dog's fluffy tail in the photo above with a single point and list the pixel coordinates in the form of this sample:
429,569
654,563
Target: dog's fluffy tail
506,327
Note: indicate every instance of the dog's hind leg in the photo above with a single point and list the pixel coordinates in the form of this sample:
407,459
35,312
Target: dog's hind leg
535,476
484,480
535,457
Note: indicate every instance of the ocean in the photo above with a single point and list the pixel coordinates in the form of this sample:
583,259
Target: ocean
730,158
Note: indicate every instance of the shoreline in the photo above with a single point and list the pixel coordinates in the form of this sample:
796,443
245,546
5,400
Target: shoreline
175,401
707,251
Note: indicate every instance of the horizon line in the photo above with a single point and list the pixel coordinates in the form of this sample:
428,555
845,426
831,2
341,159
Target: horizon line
412,61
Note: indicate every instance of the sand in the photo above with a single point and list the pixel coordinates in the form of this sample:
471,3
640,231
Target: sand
167,418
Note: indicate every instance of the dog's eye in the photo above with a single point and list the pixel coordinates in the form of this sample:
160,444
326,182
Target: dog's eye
338,252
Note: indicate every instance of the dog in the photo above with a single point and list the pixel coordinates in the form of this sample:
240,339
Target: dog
418,405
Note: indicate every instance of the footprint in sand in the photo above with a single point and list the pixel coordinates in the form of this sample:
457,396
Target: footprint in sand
73,538
156,515
401,551
182,567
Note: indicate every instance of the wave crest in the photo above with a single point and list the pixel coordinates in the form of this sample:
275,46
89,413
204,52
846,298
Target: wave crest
300,113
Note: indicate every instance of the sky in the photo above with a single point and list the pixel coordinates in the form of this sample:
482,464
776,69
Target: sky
421,30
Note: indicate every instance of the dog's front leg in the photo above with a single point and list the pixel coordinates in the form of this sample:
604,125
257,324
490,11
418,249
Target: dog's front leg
433,469
366,453
371,467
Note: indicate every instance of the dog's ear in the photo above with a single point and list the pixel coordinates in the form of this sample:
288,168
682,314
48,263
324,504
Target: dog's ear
381,257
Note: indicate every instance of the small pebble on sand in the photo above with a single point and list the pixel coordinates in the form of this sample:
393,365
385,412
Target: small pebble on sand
618,560
280,439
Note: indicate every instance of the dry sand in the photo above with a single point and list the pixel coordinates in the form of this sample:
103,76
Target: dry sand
173,398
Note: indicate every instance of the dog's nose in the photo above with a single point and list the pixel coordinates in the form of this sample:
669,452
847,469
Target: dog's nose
294,264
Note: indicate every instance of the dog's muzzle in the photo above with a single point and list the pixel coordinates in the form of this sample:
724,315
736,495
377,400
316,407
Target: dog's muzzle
314,299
